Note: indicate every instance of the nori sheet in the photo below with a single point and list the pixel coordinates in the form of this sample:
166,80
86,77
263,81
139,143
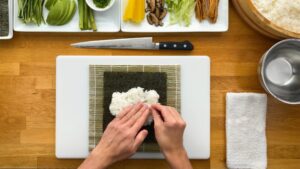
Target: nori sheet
123,81
4,18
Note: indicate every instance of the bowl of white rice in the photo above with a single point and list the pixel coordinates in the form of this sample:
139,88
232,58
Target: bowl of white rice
278,19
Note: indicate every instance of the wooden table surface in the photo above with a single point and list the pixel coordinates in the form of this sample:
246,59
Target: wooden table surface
27,95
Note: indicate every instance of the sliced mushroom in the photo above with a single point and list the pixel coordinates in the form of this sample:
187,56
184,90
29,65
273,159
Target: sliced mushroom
152,5
154,19
149,19
158,4
161,23
147,10
163,14
157,12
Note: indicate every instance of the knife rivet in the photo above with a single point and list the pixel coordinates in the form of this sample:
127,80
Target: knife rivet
165,45
175,45
185,46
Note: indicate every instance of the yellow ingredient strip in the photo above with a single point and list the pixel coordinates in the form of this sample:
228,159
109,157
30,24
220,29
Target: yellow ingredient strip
135,11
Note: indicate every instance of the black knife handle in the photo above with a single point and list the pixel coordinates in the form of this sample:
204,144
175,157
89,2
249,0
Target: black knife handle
185,45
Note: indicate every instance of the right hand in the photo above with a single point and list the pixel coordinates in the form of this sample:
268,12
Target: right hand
169,128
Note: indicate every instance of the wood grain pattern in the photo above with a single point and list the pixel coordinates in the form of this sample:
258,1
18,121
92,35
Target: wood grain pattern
9,69
27,95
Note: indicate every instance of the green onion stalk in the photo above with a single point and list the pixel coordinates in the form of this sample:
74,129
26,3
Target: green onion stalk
31,11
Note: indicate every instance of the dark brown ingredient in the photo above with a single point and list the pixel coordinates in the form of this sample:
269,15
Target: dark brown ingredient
163,14
161,23
154,19
151,5
156,12
149,20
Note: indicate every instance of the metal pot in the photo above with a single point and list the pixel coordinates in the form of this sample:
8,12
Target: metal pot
279,71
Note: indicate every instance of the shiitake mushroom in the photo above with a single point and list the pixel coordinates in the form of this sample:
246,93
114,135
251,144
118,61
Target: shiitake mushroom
157,12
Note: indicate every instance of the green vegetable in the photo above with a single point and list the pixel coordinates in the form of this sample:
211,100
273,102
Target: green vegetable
50,3
31,11
86,17
181,11
60,11
101,3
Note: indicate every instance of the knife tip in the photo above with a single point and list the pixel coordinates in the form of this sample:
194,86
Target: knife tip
74,45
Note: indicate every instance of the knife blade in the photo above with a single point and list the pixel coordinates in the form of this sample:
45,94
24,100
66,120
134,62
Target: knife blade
145,43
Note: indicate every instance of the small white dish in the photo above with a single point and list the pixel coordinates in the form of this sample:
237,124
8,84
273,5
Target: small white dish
92,5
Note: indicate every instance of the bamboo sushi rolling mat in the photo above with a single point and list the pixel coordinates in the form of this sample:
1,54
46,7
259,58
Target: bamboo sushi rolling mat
96,94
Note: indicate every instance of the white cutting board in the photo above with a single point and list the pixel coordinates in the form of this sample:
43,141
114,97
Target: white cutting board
72,103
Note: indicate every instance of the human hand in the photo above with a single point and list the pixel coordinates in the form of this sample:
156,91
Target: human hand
122,137
169,128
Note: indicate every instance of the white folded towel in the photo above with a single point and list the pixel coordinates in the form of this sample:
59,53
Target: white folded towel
245,131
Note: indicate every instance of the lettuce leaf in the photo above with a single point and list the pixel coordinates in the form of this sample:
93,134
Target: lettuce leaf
181,11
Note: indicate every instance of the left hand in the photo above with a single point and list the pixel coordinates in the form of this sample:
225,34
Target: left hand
122,137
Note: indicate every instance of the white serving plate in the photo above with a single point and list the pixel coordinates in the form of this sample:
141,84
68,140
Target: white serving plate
108,21
72,102
10,20
220,26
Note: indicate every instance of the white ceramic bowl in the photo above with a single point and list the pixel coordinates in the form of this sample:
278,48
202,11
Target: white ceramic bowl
91,4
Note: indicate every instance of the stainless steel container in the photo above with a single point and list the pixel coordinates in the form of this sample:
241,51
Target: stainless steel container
279,71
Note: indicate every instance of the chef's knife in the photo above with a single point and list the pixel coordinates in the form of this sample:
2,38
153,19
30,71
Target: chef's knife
135,43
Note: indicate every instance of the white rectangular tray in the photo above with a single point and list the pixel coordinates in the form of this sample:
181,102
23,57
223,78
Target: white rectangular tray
72,102
108,21
10,20
196,26
111,21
